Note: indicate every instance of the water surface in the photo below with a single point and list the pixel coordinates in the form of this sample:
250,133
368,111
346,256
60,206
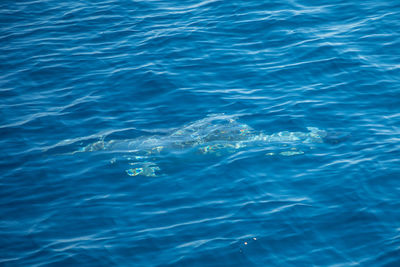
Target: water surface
74,73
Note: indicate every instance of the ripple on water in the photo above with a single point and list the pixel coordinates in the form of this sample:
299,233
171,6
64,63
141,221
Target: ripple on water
77,73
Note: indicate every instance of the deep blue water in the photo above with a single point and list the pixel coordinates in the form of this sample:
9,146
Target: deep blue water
74,73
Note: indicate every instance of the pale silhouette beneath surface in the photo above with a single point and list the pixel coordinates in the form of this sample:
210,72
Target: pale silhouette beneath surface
215,134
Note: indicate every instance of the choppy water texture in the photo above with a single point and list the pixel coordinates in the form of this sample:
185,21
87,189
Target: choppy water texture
189,133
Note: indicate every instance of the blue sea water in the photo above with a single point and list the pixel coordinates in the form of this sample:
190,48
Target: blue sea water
76,75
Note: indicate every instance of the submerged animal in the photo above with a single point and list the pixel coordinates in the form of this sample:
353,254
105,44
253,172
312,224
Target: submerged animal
215,134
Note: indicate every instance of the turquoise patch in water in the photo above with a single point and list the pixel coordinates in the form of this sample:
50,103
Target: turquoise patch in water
134,172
